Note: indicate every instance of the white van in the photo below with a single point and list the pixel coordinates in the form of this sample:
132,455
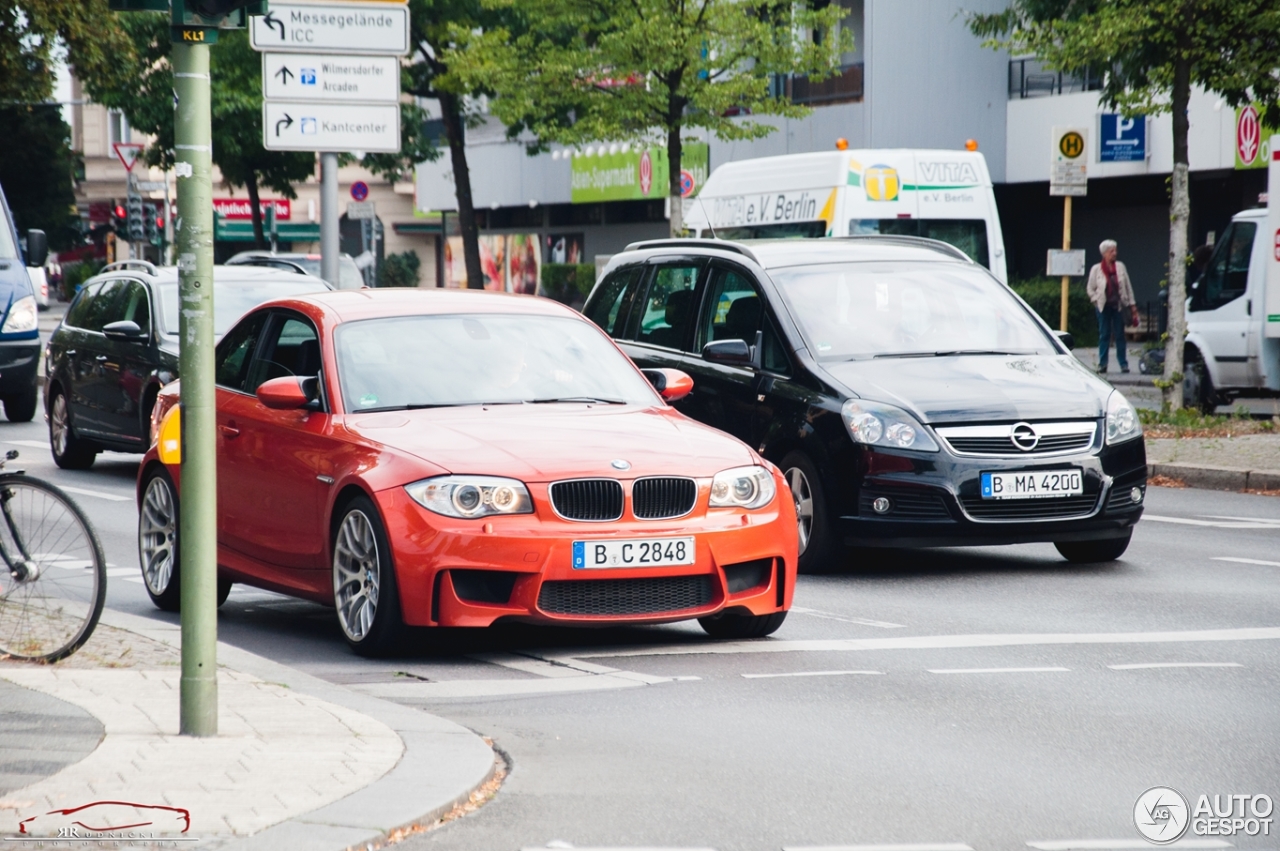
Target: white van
1233,312
943,195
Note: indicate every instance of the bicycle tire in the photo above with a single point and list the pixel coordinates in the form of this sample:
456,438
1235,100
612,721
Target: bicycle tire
53,575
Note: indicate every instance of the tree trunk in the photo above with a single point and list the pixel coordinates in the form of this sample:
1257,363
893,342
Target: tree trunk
674,156
1179,213
451,114
255,210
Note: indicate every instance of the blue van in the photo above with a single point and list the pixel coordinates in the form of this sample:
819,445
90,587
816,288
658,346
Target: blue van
19,334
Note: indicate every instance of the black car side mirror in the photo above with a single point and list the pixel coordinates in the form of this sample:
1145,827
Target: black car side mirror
1065,338
124,331
37,247
728,352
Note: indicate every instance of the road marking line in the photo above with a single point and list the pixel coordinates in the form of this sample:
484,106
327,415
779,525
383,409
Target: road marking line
98,494
843,619
34,444
1187,521
610,848
121,571
1119,844
1143,665
528,665
995,670
808,674
1247,561
1244,519
906,846
491,688
923,642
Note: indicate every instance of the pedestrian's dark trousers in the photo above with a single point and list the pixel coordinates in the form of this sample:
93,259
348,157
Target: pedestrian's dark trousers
1111,325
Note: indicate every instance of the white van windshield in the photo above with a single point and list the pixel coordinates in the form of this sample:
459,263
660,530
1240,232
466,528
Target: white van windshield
969,235
8,250
856,310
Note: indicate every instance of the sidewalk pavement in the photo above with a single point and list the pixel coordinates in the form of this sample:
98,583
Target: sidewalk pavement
298,762
1243,462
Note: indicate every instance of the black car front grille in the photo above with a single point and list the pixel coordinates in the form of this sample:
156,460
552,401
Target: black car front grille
662,499
625,596
1005,446
587,499
1047,508
904,504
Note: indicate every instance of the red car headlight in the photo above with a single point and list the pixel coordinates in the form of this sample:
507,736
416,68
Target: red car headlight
471,496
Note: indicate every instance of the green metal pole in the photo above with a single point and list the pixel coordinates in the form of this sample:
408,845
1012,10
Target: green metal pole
198,516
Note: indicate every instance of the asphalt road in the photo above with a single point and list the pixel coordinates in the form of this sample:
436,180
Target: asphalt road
989,698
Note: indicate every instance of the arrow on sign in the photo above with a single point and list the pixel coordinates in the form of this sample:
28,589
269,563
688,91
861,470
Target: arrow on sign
284,74
287,121
273,22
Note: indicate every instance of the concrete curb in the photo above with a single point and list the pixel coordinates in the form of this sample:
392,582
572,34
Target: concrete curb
442,764
1217,478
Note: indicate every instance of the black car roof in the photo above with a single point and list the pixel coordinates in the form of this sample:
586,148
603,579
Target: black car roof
777,253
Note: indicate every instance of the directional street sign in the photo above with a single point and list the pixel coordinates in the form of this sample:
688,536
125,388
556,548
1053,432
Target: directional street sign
301,126
368,28
325,77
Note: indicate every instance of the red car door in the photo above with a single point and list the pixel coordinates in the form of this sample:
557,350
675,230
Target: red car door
270,494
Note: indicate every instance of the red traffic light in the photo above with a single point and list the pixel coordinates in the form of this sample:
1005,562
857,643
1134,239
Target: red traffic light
119,211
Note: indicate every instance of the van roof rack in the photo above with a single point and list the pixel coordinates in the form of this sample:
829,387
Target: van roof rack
722,244
148,267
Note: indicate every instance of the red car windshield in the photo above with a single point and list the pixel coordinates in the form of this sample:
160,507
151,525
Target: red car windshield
472,359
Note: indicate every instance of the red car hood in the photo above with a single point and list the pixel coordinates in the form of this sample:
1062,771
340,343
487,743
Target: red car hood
542,443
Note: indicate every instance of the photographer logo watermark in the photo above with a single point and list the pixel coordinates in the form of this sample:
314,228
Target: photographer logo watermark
1162,815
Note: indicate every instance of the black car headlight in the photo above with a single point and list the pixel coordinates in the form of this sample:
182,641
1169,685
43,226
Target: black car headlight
1122,420
471,496
877,424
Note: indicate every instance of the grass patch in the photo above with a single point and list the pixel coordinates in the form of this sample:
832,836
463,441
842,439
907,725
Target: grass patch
1191,423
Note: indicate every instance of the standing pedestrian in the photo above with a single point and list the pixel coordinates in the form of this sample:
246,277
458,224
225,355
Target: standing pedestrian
1112,296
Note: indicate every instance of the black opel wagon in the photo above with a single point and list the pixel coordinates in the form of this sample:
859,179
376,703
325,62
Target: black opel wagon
911,398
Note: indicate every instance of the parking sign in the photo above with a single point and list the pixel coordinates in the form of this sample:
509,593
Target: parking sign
1122,140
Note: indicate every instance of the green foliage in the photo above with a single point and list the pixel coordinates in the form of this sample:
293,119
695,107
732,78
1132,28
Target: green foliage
75,274
1044,295
573,71
1230,47
31,32
567,283
38,183
399,270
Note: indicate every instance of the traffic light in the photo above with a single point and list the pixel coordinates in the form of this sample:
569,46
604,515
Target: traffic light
212,15
137,225
155,225
119,218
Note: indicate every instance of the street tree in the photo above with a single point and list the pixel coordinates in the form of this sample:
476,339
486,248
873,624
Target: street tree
36,34
1151,53
38,183
595,70
432,75
145,96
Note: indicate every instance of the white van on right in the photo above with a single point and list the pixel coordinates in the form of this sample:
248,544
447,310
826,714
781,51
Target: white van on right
1233,328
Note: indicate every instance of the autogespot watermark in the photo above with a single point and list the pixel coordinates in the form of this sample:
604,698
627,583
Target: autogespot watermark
1162,815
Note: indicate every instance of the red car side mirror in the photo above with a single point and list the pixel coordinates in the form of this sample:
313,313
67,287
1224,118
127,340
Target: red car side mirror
284,394
672,384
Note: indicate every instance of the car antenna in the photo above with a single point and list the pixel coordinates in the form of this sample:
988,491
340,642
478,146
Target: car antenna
710,226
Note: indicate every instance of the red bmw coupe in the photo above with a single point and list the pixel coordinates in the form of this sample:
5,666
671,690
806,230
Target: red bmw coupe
459,458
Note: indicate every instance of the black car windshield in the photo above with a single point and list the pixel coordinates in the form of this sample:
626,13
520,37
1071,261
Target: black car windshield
233,299
472,359
862,310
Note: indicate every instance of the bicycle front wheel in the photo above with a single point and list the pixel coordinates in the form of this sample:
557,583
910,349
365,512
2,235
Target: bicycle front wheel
53,577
